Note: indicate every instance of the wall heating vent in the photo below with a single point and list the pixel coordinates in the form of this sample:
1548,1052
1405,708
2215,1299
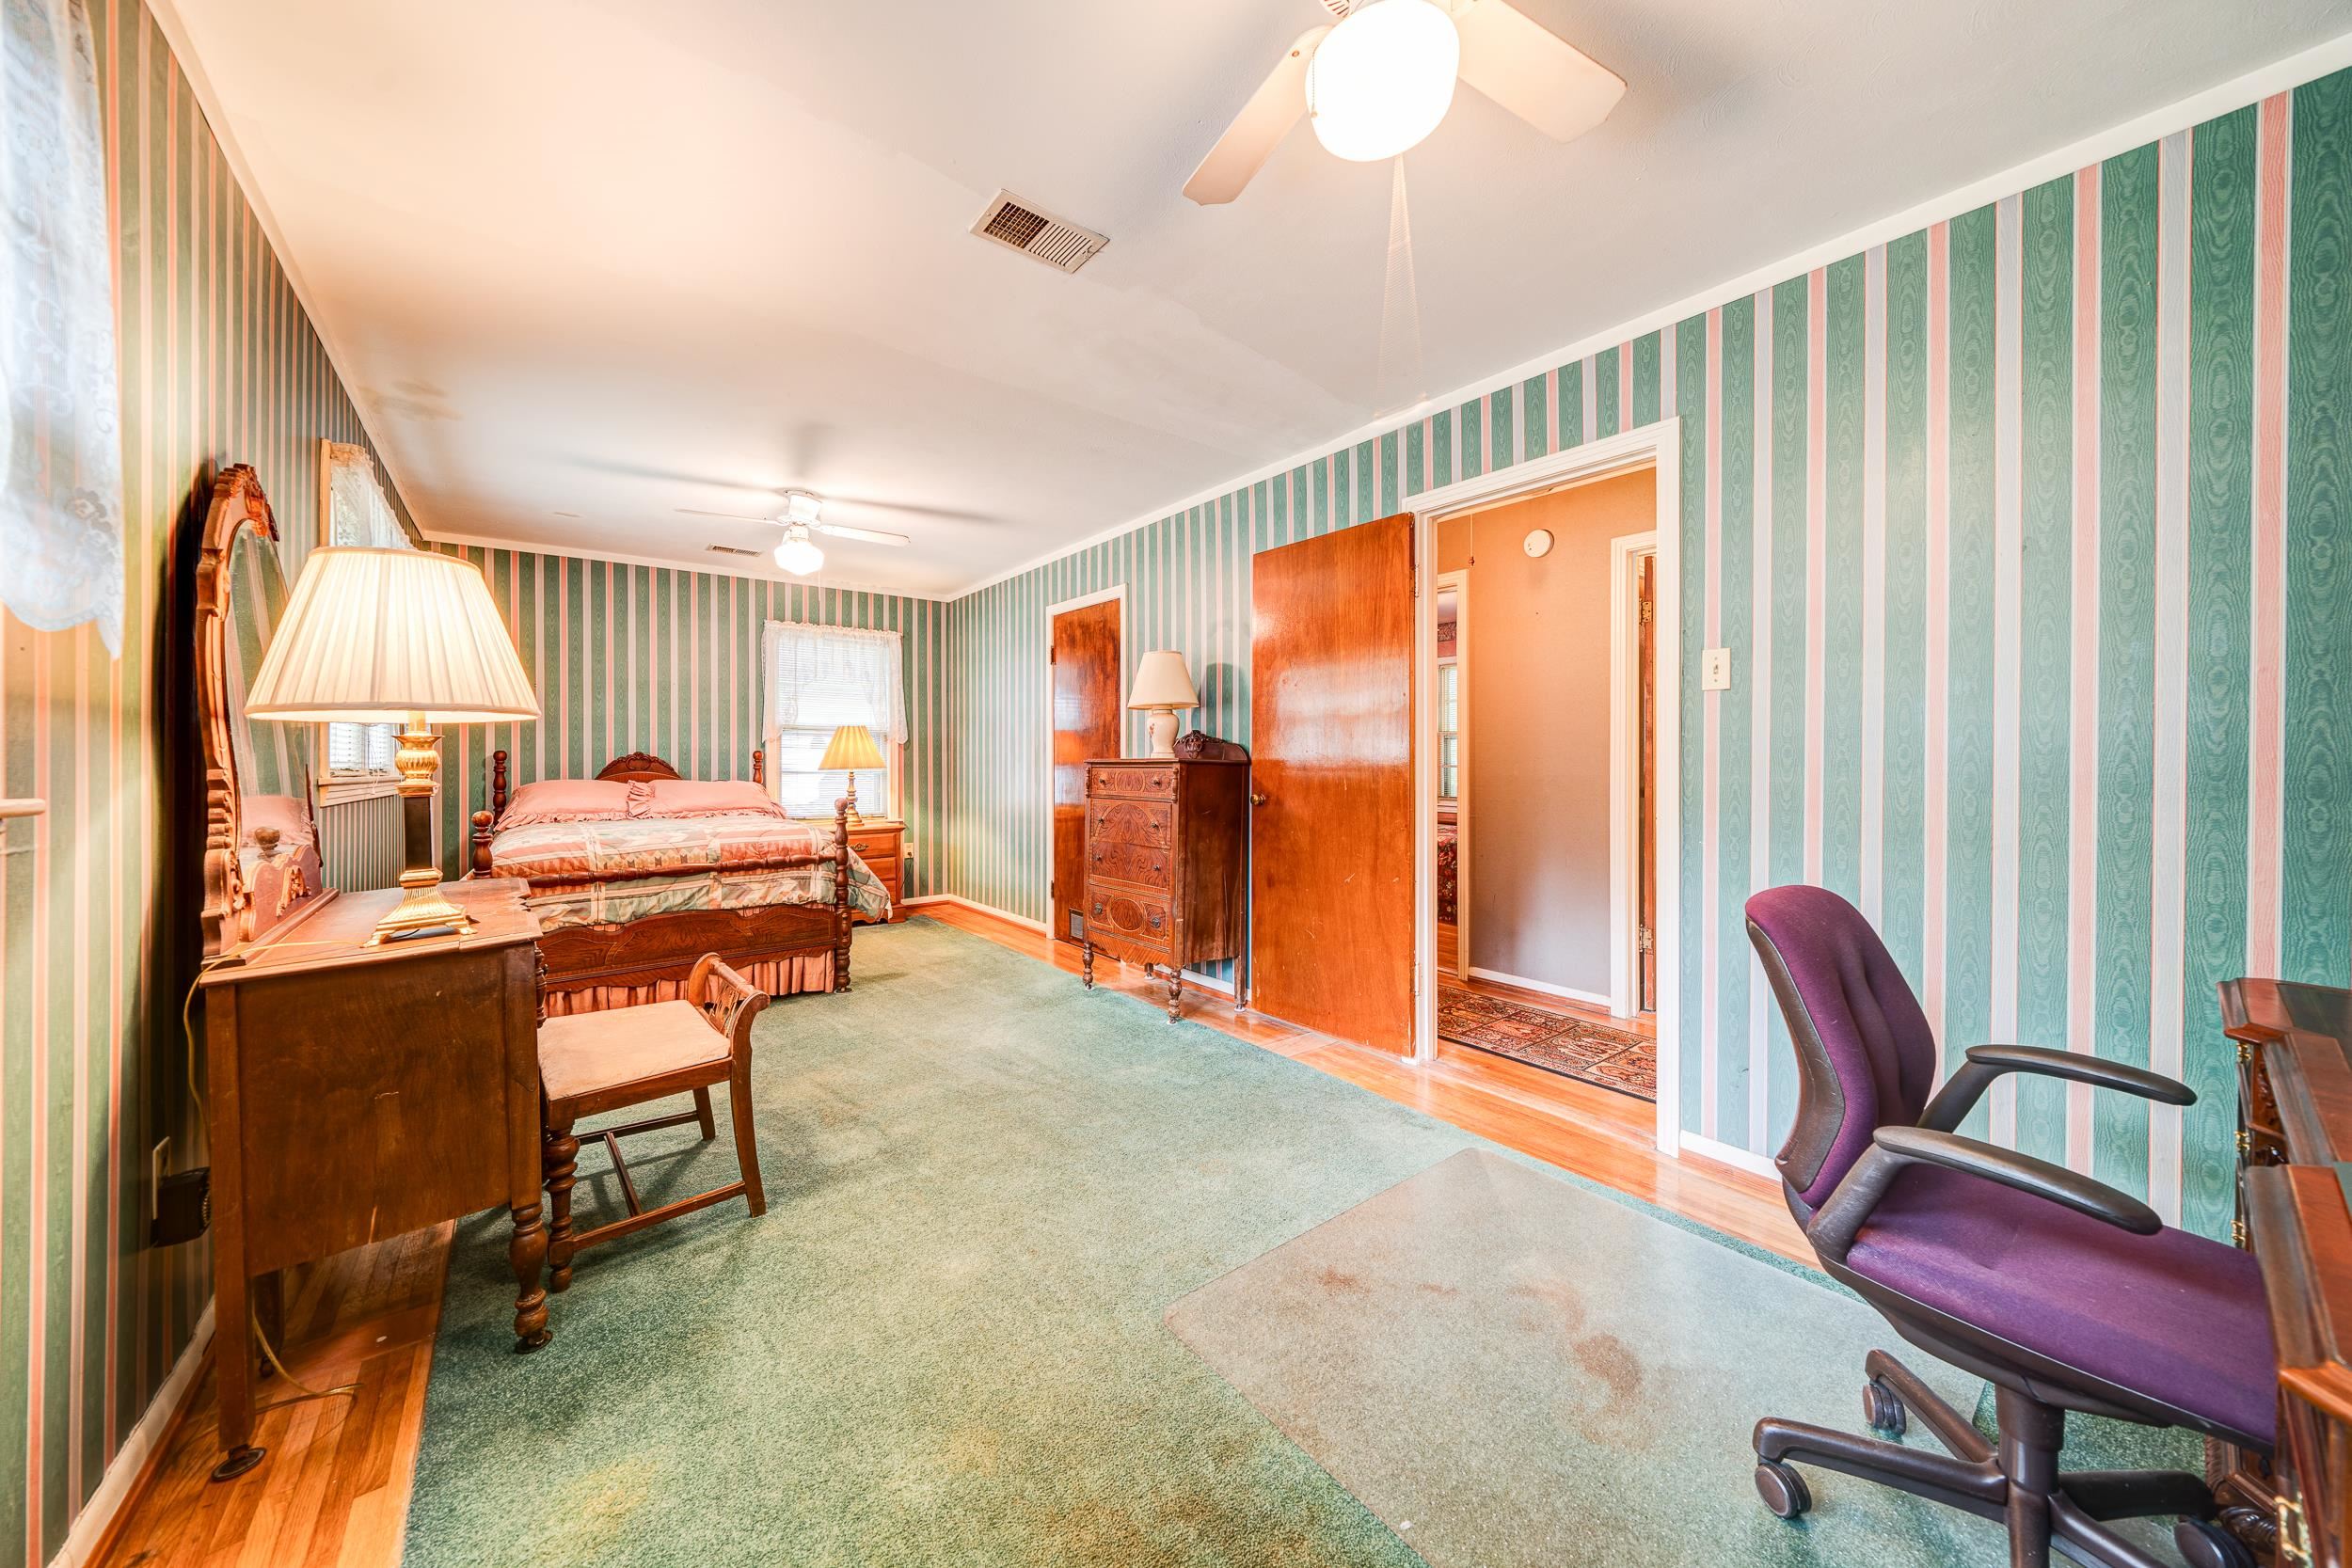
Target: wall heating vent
729,549
1056,242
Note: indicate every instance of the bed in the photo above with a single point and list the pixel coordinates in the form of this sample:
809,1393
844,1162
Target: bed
627,902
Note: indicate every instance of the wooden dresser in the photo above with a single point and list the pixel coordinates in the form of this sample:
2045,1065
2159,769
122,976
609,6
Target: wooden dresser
882,844
1168,872
357,1092
2295,1201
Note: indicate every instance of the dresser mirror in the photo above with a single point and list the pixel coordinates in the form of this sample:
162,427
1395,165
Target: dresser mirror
260,848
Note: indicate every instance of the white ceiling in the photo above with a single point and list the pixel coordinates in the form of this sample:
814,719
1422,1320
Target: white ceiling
614,258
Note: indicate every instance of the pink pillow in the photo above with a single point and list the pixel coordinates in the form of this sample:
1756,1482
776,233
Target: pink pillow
566,800
700,798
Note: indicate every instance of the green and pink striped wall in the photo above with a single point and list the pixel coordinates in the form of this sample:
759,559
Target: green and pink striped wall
218,365
2028,536
647,658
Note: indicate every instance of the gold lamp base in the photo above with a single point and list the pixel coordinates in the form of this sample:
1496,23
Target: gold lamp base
423,906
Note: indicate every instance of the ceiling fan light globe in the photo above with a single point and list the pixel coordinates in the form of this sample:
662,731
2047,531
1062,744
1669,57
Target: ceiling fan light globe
1383,79
799,557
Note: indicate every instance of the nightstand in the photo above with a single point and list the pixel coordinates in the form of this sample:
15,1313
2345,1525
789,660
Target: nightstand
880,843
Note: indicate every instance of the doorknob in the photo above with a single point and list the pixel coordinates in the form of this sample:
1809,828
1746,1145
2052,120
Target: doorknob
1256,798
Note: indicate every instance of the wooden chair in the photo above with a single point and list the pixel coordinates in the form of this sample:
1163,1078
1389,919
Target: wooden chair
591,1063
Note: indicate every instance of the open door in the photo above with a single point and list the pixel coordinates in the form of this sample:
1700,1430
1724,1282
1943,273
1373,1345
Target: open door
1083,657
1332,840
1645,788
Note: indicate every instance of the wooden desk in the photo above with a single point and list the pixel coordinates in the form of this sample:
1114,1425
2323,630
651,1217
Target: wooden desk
2294,1149
359,1092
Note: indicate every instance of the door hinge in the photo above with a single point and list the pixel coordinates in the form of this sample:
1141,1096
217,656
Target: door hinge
1417,580
1648,608
1053,655
1645,939
1416,976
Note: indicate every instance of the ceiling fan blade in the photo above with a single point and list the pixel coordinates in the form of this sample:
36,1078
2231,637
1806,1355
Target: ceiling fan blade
1264,121
872,536
734,516
1531,70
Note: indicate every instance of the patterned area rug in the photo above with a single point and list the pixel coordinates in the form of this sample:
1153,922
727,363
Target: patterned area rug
1573,1047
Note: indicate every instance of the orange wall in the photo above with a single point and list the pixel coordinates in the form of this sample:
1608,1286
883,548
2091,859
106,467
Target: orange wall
1537,740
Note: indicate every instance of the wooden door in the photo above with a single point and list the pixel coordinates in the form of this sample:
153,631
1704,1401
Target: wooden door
1331,851
1083,655
1645,788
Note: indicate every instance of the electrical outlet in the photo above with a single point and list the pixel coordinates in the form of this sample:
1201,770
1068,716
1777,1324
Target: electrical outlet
156,1160
1715,669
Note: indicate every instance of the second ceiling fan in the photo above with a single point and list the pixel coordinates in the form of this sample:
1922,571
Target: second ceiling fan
1381,78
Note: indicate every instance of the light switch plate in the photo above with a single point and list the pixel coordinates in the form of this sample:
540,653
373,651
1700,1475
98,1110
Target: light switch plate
1715,669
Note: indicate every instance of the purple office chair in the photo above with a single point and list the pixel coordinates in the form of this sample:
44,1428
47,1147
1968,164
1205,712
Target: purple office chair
2062,1292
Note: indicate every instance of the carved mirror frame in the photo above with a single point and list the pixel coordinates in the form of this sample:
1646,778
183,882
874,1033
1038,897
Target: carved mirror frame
229,918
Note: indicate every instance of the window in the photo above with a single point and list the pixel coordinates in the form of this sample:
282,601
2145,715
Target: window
818,679
1449,729
354,511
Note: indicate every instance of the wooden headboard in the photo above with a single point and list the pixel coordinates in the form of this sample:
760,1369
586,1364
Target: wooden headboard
639,765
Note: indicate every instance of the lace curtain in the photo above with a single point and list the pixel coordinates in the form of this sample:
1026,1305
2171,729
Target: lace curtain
60,423
822,677
358,514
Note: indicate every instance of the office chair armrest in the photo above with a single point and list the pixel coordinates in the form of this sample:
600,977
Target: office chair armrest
1987,1063
1837,1222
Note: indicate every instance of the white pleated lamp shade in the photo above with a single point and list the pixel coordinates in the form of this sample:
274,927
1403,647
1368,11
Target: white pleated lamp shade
372,635
1163,682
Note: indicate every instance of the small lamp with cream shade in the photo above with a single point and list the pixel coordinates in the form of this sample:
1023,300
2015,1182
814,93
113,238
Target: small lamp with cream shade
1163,688
370,636
851,748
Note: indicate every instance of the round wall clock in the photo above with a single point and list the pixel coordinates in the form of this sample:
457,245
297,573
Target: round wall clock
1538,543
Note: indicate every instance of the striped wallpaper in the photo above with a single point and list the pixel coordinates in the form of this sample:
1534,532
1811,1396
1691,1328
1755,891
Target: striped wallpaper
97,919
2027,534
629,659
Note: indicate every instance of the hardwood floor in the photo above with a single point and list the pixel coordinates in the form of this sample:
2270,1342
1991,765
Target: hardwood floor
334,1491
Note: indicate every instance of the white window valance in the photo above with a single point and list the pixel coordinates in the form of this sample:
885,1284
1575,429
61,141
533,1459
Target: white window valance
822,677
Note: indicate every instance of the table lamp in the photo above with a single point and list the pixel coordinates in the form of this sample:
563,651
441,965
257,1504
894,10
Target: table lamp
370,636
1163,686
851,748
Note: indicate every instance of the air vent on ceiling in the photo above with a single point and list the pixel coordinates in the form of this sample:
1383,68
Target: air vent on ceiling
729,549
1056,242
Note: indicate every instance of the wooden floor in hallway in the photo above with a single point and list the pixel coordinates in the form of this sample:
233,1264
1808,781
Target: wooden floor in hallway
334,1491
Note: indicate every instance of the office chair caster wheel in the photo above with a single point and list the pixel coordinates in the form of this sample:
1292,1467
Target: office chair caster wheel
1882,1408
1783,1490
2205,1544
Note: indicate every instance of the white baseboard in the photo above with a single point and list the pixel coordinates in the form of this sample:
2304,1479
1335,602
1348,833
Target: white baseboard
977,908
130,1461
1725,1154
1223,988
1591,999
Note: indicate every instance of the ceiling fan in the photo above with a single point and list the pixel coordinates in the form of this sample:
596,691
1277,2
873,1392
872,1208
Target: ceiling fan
1381,78
803,514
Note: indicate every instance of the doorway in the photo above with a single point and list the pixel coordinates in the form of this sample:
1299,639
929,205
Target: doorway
1085,658
1540,844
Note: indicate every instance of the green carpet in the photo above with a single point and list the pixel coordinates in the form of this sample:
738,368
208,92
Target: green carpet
944,1344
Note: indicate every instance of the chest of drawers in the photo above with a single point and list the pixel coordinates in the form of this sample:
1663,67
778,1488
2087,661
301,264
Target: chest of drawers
1166,872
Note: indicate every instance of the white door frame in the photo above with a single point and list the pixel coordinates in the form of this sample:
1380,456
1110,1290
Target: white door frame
1126,668
1658,445
1460,583
1624,768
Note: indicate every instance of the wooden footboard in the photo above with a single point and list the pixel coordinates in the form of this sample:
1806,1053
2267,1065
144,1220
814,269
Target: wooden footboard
661,950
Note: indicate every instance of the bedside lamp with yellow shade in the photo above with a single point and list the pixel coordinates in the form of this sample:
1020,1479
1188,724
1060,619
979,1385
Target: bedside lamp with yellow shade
851,748
408,636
